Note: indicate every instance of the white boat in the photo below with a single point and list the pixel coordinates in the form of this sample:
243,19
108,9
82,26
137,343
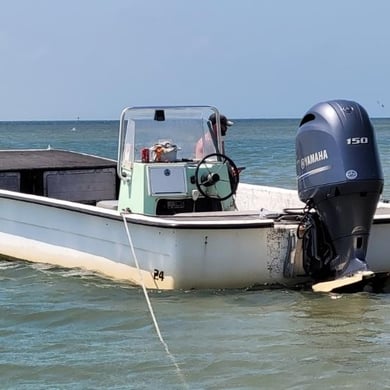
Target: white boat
161,217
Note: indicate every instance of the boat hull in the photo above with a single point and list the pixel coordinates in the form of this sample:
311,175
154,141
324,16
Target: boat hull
171,252
225,250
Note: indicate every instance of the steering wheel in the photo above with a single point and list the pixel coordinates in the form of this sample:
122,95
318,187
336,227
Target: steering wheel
205,180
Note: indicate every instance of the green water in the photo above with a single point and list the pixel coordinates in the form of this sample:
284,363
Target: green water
62,329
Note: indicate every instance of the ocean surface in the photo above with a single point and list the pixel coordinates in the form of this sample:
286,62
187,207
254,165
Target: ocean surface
68,329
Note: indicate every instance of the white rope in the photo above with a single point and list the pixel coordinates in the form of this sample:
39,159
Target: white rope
150,305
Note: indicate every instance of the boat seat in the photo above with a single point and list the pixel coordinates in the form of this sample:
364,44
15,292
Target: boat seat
108,204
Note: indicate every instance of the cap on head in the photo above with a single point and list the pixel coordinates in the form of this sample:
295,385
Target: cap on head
222,119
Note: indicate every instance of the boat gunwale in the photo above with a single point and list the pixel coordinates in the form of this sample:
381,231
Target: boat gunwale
213,221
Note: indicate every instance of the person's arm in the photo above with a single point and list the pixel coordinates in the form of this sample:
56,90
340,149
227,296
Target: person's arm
199,149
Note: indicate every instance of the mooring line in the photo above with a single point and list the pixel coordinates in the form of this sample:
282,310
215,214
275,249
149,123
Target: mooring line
156,326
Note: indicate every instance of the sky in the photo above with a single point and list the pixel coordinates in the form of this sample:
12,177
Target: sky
89,59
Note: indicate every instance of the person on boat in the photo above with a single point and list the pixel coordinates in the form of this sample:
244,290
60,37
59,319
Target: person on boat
207,144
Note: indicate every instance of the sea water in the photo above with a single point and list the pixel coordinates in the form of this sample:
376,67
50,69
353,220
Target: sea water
68,329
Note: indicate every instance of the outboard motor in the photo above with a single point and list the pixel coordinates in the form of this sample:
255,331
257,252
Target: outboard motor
340,179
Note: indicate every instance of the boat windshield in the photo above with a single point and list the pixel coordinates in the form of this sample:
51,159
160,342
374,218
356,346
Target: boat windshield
185,133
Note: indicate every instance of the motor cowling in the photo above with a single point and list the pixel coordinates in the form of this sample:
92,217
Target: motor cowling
340,178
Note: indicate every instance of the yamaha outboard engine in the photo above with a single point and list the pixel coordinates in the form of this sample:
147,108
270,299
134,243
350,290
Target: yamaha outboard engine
340,179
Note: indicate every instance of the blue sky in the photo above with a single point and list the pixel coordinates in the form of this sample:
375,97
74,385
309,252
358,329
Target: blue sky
250,58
